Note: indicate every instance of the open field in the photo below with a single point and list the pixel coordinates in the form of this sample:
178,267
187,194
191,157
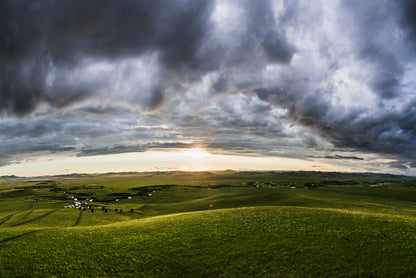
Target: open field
212,224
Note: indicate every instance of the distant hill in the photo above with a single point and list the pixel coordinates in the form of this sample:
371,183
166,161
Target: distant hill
270,174
9,177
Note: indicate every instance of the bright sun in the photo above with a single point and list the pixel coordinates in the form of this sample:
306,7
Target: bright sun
197,159
196,153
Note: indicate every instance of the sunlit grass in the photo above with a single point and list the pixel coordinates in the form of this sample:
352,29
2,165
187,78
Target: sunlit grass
243,242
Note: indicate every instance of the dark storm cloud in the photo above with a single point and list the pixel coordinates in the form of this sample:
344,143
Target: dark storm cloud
104,110
341,157
399,165
374,30
376,37
54,134
156,98
66,30
91,151
269,33
220,84
409,18
40,38
11,151
6,159
136,148
35,129
391,133
22,87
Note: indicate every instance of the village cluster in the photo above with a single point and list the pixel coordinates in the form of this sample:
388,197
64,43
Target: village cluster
83,205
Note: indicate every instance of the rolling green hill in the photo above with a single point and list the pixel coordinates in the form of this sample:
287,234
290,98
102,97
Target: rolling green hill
221,224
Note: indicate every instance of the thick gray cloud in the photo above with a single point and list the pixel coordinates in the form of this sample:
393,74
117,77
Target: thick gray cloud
38,37
270,78
342,157
376,37
409,18
44,41
388,132
134,148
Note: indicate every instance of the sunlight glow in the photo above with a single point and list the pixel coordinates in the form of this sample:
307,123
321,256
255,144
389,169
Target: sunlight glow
196,153
195,159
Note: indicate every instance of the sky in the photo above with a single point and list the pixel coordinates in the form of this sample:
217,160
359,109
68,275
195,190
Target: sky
101,85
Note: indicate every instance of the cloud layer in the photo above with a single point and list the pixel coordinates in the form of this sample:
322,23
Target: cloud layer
330,80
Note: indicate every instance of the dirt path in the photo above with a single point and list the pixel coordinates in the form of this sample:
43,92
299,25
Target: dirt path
4,219
16,237
78,219
34,219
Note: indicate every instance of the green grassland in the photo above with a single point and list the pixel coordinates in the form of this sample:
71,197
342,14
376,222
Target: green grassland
208,224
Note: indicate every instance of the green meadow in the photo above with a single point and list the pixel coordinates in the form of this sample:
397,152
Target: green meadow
208,224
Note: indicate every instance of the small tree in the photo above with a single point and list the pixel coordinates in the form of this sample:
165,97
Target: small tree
310,185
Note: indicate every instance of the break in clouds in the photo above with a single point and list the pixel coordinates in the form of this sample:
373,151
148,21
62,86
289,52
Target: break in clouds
316,80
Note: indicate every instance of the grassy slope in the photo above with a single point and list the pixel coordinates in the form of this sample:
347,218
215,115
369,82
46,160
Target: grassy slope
259,241
229,231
